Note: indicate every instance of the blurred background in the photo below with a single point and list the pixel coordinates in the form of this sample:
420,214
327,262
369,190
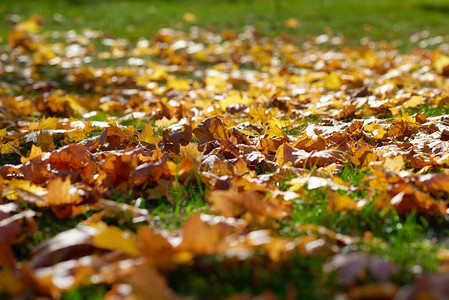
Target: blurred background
354,19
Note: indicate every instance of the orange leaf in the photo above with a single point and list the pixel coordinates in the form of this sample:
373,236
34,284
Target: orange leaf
61,192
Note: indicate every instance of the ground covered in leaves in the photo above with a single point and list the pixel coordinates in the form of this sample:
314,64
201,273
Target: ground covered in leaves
221,165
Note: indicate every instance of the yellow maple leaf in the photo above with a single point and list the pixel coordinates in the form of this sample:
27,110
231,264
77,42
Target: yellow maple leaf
394,164
59,192
35,152
189,17
160,72
377,130
30,26
414,101
24,185
190,151
332,81
147,135
113,238
164,122
76,135
10,147
279,123
405,117
441,63
339,202
178,84
215,81
48,123
234,98
2,132
276,132
291,23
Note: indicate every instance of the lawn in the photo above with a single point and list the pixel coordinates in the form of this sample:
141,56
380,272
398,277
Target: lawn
165,149
355,20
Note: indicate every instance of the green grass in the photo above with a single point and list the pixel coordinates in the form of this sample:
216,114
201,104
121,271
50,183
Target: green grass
429,110
408,241
221,278
381,20
91,292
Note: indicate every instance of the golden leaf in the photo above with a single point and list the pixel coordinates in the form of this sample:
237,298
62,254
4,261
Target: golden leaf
332,81
35,152
178,84
339,202
45,142
48,123
377,130
60,192
190,151
189,17
147,135
291,23
25,185
414,101
76,135
441,63
394,164
113,238
10,147
2,132
164,122
234,98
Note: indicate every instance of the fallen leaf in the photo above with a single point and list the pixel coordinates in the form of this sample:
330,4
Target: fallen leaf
189,17
148,135
61,192
292,23
113,238
338,202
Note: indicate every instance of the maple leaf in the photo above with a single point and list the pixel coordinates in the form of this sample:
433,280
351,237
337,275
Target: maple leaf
332,81
10,147
189,151
141,277
189,17
48,123
200,237
35,152
338,202
45,142
394,164
147,135
113,238
414,101
441,64
165,123
232,204
406,198
75,159
76,135
291,23
23,185
178,84
173,140
61,192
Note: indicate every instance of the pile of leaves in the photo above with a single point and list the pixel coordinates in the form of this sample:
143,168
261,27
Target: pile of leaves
190,154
